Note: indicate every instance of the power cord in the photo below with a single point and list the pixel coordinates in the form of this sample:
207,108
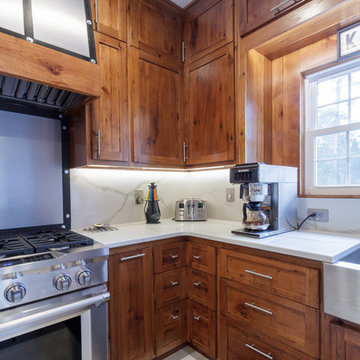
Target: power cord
298,226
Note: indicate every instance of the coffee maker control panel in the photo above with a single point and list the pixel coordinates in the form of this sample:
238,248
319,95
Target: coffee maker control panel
244,174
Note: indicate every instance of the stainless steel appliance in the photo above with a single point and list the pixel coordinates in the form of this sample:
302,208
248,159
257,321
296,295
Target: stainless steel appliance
270,198
341,284
52,296
190,210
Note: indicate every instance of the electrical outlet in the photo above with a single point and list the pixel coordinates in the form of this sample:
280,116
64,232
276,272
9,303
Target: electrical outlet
322,215
139,197
230,195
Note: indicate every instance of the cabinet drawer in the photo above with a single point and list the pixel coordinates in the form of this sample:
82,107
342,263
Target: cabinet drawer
294,324
291,281
238,342
202,288
202,328
201,257
169,256
170,327
170,286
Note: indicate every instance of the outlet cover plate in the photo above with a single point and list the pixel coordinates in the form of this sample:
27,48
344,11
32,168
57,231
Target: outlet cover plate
322,215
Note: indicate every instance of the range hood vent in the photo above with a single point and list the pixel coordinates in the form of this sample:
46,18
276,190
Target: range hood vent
30,93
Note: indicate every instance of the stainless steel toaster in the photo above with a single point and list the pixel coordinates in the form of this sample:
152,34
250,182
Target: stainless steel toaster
190,210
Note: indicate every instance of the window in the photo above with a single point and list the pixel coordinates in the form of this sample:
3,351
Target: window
332,136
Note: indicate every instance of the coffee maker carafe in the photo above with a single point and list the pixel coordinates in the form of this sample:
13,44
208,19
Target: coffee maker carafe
254,217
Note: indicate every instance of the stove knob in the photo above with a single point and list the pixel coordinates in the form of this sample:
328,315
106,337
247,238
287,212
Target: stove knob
84,277
62,282
15,293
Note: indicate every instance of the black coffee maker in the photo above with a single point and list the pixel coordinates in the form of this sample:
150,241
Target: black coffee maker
152,210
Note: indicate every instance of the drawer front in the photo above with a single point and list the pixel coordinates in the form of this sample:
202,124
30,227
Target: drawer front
202,328
170,286
238,342
291,281
202,288
201,257
169,256
170,327
294,324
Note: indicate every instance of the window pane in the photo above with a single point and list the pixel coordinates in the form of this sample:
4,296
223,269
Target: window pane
333,90
355,84
355,171
354,145
330,146
332,115
331,172
355,111
12,15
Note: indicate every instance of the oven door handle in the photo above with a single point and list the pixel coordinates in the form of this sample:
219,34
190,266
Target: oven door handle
54,313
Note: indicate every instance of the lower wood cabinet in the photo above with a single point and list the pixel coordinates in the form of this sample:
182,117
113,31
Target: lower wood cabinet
131,304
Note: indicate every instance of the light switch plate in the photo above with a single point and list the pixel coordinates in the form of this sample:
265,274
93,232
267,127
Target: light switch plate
230,195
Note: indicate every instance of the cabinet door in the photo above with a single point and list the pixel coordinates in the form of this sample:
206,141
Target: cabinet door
156,110
345,342
109,112
109,17
208,26
131,305
210,114
156,29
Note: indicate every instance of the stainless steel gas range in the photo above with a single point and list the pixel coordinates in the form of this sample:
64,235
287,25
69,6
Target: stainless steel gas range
52,296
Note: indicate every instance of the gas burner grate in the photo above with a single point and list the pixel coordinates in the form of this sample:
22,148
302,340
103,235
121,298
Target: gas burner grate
13,245
48,240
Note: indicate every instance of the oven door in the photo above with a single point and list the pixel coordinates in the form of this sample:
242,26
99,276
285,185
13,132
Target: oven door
67,327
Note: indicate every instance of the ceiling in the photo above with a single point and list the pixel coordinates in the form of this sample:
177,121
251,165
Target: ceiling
182,3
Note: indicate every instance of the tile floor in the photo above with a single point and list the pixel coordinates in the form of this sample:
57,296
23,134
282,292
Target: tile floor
187,353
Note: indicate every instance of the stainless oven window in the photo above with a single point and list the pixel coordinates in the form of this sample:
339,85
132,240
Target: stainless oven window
61,341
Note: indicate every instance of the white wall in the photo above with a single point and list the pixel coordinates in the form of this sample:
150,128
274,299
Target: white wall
99,195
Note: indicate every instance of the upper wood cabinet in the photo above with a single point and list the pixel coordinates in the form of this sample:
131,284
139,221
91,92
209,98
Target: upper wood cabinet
131,304
156,27
109,17
208,25
210,108
156,110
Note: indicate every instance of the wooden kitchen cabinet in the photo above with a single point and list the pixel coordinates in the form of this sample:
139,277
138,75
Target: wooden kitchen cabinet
156,27
344,342
156,110
169,256
99,131
208,25
110,17
131,308
210,109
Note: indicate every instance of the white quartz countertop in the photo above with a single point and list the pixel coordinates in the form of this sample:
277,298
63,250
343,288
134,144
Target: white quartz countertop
327,247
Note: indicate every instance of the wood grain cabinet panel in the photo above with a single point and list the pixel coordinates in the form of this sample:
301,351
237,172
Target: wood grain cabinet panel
109,17
131,305
156,28
208,26
291,281
210,108
109,113
292,323
170,327
156,110
202,328
241,343
170,286
202,288
344,342
201,257
169,256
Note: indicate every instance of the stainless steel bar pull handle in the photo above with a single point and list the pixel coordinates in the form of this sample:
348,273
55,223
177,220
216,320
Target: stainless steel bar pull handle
252,305
183,47
278,6
174,317
174,283
197,318
197,257
258,274
253,348
96,11
131,257
174,256
184,151
196,284
99,142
